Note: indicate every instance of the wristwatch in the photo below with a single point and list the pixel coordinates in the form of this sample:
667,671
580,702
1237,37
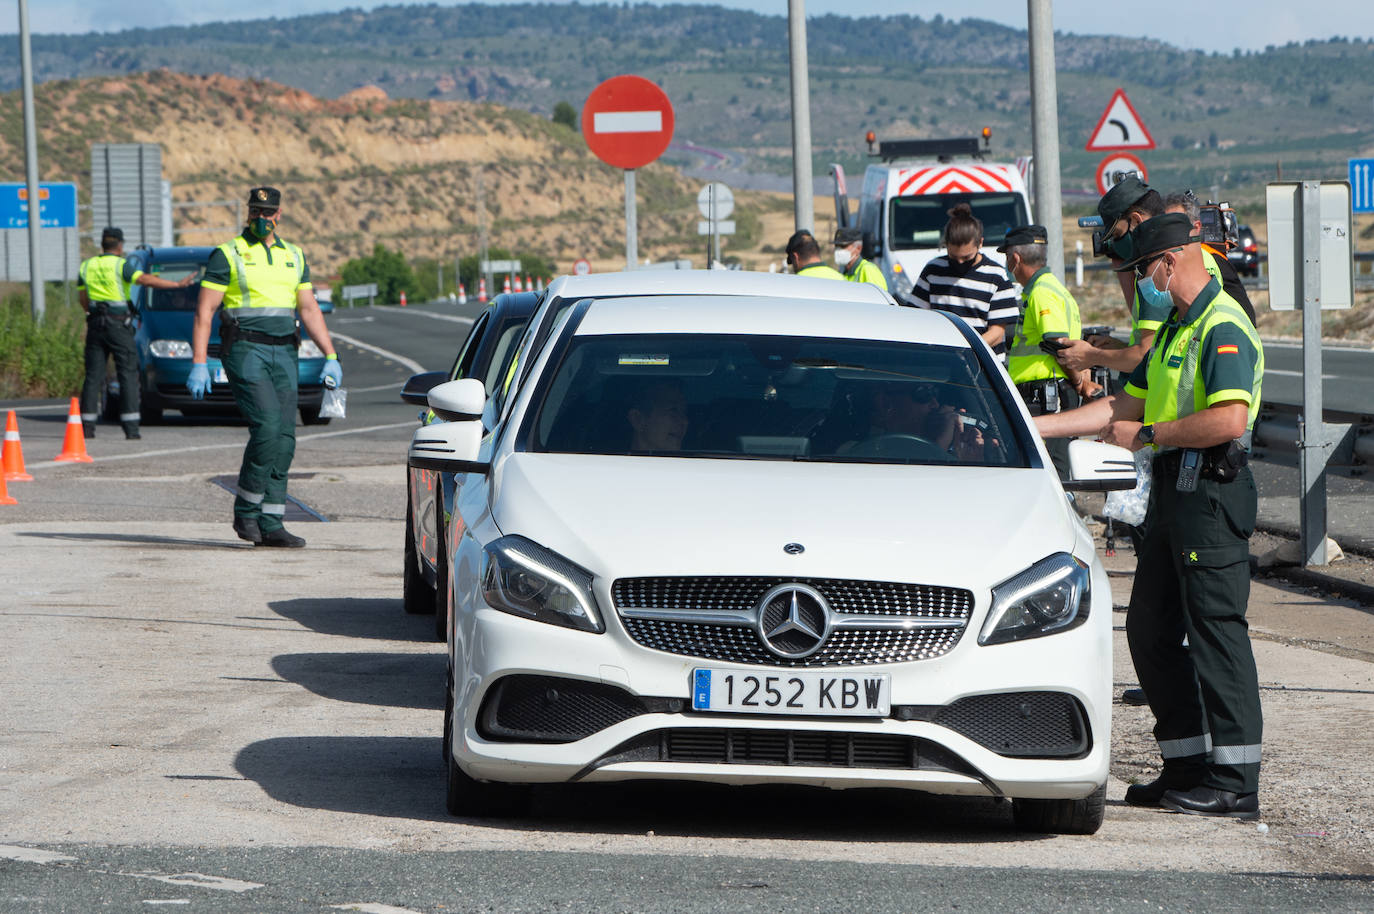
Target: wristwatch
1147,434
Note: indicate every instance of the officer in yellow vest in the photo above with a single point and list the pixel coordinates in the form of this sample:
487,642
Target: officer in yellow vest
804,257
1193,401
849,245
104,291
263,282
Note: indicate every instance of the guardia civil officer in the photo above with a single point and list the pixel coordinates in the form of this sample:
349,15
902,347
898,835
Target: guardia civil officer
804,257
1050,318
104,283
263,283
1193,401
849,246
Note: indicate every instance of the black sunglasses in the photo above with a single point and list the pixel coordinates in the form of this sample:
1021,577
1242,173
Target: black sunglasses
1144,266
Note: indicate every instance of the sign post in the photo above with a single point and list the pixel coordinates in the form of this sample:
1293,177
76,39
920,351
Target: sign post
627,122
715,202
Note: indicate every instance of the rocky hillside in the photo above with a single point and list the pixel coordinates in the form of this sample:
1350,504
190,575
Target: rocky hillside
359,169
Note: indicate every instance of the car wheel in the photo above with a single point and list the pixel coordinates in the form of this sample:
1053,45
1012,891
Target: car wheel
416,594
310,415
441,595
1061,817
469,798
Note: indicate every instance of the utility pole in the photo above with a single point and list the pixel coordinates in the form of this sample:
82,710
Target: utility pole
805,209
31,167
1049,200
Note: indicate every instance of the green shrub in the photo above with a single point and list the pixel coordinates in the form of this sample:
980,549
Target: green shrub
40,361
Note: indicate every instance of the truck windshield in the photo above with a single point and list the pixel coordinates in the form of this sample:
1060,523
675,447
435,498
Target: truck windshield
918,221
772,398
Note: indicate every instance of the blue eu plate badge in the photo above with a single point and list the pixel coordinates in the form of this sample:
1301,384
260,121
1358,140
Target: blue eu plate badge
701,690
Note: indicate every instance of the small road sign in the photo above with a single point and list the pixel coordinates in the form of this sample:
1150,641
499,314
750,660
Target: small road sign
499,266
627,121
723,204
56,205
581,266
1362,185
722,227
1120,127
362,290
1115,167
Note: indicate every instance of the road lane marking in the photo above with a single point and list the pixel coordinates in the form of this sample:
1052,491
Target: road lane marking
415,367
201,881
31,854
368,907
232,444
439,317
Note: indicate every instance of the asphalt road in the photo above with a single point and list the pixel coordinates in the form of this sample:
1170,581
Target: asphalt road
193,723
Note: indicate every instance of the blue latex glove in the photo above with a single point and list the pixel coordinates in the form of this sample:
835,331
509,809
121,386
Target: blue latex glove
332,373
198,383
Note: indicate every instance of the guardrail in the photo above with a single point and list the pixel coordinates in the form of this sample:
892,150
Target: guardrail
1278,428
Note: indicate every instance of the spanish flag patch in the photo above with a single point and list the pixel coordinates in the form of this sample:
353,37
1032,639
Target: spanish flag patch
1229,348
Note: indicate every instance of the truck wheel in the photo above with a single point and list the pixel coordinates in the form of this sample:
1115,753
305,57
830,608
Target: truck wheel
1061,817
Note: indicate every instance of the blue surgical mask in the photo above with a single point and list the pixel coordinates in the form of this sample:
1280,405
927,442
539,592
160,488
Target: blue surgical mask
1153,296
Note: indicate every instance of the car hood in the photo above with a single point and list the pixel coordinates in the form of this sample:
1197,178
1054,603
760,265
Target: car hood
640,516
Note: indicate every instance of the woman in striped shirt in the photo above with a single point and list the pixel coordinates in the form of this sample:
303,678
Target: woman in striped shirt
970,285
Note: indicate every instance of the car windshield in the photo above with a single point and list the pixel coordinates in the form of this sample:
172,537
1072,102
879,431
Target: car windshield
772,398
173,299
918,221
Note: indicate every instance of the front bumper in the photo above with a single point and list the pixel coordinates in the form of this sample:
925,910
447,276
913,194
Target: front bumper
655,734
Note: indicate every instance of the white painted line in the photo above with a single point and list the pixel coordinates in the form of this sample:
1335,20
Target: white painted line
455,318
31,854
238,445
1295,374
415,367
627,122
201,881
367,907
166,901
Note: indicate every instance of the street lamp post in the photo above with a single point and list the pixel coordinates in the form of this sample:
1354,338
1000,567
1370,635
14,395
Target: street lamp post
31,166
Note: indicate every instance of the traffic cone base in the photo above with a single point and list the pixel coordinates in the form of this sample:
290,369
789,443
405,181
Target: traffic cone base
74,445
5,497
13,456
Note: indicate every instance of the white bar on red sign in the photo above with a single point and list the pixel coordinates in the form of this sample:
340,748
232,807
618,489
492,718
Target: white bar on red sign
627,122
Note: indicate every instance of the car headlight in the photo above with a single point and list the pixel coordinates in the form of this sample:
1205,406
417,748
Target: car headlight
1049,597
170,349
309,350
525,579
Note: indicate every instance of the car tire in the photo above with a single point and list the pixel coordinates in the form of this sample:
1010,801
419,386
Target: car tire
471,799
416,595
310,415
441,588
1061,817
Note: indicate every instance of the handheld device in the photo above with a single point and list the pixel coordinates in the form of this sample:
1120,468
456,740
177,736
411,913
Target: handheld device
1052,346
1188,470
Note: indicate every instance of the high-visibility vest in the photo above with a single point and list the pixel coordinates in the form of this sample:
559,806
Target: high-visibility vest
103,278
820,270
1049,309
263,281
1174,388
867,271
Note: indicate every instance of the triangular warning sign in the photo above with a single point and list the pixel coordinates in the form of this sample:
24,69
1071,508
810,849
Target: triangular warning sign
1120,127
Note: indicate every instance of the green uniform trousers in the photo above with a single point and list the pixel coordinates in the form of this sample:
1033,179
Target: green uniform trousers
109,335
1192,578
263,379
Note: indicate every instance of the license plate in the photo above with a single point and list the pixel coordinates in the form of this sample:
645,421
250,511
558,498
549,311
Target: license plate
798,693
221,377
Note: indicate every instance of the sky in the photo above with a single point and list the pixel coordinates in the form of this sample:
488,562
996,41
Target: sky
1223,26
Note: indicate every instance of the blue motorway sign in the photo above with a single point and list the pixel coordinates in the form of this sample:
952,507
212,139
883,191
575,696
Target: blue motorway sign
56,205
1362,185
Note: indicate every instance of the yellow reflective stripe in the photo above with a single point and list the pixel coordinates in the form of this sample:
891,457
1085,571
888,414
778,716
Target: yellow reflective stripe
1224,395
206,284
245,301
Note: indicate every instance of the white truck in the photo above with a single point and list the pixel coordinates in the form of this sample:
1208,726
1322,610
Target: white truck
906,198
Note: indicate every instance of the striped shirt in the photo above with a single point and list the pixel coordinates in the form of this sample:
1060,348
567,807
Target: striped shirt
981,294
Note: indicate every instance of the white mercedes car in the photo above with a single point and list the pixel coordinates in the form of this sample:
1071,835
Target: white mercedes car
763,539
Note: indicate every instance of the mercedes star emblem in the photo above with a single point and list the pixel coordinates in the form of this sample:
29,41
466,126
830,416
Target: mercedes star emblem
794,620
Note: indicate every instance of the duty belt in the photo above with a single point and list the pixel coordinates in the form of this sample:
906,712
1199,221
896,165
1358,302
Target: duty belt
100,307
253,336
1220,462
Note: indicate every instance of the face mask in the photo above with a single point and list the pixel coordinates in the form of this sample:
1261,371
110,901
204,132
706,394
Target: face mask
262,226
1152,295
842,257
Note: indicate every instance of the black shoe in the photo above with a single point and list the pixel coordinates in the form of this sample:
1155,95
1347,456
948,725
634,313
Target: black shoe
1209,801
88,429
1150,794
1133,697
279,537
247,529
131,433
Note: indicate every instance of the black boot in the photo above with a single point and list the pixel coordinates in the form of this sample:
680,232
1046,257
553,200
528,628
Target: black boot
131,431
88,429
1152,794
279,537
1210,801
247,529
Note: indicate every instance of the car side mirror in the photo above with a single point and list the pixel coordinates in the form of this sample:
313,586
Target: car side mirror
456,401
417,386
447,447
1095,466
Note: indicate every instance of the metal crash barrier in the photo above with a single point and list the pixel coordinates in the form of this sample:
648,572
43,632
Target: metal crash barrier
1278,430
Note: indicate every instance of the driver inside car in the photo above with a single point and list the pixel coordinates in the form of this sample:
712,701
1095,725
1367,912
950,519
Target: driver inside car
658,418
914,411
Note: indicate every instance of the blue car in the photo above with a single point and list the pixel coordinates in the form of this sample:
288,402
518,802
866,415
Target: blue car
163,338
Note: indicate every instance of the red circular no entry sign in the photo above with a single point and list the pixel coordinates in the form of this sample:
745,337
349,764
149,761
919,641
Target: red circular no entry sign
627,121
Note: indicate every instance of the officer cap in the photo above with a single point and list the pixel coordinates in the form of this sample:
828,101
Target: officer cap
848,235
1025,234
110,233
799,238
1162,233
1126,193
264,198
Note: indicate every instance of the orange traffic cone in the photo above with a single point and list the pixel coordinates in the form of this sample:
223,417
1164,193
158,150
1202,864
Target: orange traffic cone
462,294
506,286
482,291
519,287
529,284
5,497
403,299
74,445
13,455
